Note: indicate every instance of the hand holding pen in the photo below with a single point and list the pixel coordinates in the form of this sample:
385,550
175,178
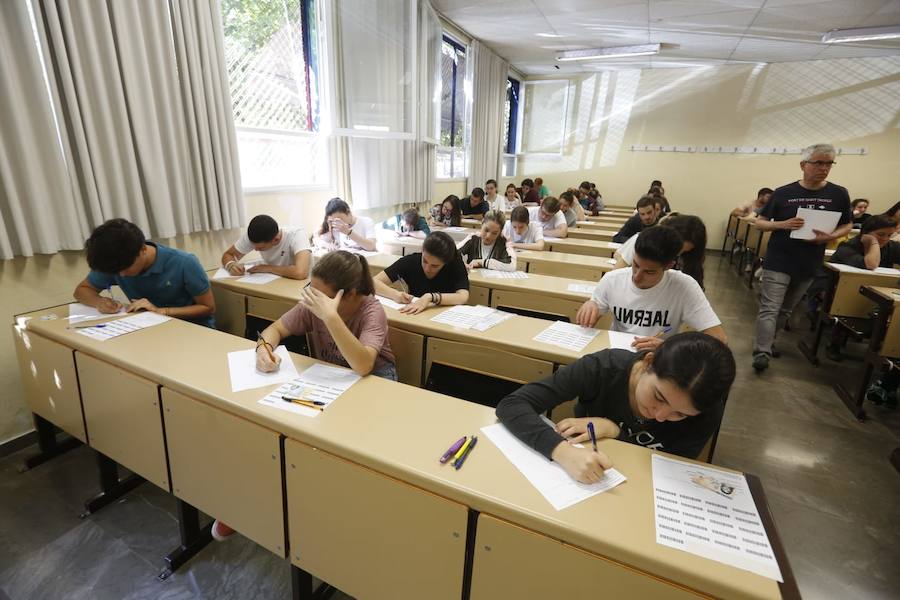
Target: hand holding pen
650,343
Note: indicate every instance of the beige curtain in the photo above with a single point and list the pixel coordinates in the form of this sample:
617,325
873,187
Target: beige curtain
489,97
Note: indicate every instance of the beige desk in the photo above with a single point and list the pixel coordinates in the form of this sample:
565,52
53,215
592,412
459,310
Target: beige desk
604,225
470,223
390,497
562,264
596,235
579,246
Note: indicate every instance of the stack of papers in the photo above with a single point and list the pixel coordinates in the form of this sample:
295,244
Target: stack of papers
492,274
319,383
548,477
620,339
567,335
821,220
479,318
244,376
111,329
79,313
587,288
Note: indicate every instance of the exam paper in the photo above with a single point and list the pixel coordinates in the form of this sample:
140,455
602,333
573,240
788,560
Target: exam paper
886,271
79,313
822,220
258,278
493,274
710,513
567,335
385,301
620,339
463,316
111,329
587,288
550,479
223,273
245,376
320,383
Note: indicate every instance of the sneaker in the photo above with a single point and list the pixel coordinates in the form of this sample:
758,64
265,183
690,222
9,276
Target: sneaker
760,362
876,394
775,353
834,353
220,531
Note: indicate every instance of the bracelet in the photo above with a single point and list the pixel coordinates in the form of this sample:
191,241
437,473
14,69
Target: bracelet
440,299
263,343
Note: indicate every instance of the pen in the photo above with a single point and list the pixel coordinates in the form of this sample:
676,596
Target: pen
453,449
259,338
307,403
593,435
663,331
87,326
459,462
462,450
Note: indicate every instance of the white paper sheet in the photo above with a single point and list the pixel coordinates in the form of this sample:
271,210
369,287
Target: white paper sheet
554,484
620,339
587,288
389,303
611,261
79,313
879,270
615,245
479,318
822,220
258,278
492,274
710,513
567,335
321,383
244,376
111,329
222,273
886,271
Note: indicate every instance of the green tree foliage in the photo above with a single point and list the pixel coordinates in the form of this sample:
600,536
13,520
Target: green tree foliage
254,22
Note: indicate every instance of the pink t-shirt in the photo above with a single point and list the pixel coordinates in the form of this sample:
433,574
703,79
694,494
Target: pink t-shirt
368,324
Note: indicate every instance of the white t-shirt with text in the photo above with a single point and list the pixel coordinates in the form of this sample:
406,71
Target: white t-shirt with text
281,255
626,250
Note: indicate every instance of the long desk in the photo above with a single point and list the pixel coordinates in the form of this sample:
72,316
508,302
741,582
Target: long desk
596,235
605,224
354,495
580,246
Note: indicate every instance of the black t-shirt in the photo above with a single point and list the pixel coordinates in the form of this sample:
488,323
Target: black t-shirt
851,253
860,219
466,207
453,276
799,257
600,382
632,226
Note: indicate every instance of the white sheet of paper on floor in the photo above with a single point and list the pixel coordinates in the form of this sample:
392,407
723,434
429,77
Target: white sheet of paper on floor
554,484
567,335
479,318
245,376
319,382
587,288
822,220
620,339
79,313
493,274
111,329
711,513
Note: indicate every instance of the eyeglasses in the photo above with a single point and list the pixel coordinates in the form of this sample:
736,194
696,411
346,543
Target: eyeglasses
821,163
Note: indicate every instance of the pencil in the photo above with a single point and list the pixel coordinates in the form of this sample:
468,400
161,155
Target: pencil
301,402
259,338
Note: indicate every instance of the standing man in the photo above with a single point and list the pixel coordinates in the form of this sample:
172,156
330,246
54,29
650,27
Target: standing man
790,263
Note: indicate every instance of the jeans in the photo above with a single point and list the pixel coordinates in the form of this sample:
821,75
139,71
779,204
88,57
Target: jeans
388,371
779,294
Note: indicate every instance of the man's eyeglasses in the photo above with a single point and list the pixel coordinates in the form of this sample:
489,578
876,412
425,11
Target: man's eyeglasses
821,163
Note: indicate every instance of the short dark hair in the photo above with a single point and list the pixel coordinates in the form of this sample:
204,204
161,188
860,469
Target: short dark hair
490,181
262,229
876,222
335,205
478,192
538,181
585,185
698,363
892,210
345,271
858,200
550,205
645,201
527,182
568,197
520,215
660,244
411,217
441,246
764,191
656,183
691,229
114,246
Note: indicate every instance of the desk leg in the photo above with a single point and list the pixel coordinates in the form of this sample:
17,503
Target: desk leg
193,539
302,586
895,459
811,352
111,487
873,360
49,446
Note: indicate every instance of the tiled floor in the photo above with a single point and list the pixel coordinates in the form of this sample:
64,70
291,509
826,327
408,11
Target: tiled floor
833,493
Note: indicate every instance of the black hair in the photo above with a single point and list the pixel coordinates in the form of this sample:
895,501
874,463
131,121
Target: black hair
892,210
764,191
345,271
585,185
114,246
335,205
698,363
262,229
876,222
489,181
441,246
478,192
527,182
691,229
520,215
550,205
646,201
656,183
568,197
660,244
455,212
856,201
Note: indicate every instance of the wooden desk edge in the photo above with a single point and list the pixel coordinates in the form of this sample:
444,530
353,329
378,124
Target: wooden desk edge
788,589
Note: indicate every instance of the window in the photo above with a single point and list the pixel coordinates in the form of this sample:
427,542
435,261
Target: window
511,127
271,59
544,120
451,153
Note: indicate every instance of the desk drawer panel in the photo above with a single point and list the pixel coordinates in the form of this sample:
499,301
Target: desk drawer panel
267,309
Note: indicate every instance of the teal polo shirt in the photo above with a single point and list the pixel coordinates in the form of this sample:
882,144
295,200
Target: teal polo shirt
173,280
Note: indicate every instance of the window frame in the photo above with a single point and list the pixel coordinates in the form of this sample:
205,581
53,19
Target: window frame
464,48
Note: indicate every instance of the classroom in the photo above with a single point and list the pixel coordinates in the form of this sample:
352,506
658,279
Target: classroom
479,299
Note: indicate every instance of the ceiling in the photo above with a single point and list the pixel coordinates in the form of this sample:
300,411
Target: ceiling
529,33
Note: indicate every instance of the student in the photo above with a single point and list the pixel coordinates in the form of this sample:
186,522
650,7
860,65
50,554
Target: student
491,196
893,212
656,183
511,198
522,232
583,193
436,275
594,203
153,277
447,213
693,248
645,217
543,190
347,323
341,229
670,399
529,193
475,205
550,217
490,250
859,207
661,201
650,298
570,208
753,208
284,252
409,223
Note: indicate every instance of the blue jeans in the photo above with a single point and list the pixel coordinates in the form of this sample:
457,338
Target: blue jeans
388,371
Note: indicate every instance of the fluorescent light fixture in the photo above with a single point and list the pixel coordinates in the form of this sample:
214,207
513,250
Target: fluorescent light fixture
861,34
549,35
611,52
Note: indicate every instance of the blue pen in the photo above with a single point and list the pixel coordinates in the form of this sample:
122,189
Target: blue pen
590,429
663,331
459,461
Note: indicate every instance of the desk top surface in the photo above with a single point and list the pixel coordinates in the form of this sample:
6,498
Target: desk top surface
379,424
583,243
543,256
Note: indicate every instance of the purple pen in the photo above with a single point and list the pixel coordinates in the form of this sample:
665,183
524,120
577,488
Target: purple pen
453,449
